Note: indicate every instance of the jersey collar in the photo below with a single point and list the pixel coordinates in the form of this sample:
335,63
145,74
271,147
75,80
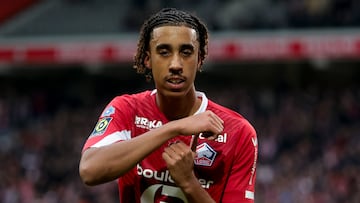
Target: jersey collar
204,101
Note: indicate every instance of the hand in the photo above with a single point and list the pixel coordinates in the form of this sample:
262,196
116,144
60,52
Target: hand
207,122
179,159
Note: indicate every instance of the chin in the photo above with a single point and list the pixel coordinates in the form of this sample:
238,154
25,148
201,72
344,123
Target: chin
173,92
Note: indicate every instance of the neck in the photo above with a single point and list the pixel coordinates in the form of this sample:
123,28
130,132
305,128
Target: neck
178,107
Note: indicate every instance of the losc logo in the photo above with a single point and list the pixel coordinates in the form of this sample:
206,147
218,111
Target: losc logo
205,155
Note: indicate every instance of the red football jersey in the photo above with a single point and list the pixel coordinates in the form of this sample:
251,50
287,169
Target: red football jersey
225,167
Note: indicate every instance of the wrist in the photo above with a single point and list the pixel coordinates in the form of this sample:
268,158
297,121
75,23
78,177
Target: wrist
194,192
173,129
190,186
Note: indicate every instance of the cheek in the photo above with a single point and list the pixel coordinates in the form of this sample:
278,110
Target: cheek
158,71
159,65
196,65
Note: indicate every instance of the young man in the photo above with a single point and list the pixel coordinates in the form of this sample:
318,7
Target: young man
172,144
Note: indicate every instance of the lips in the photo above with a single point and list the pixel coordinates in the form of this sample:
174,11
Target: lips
175,80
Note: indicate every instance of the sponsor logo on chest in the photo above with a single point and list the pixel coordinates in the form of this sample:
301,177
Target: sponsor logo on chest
142,122
221,138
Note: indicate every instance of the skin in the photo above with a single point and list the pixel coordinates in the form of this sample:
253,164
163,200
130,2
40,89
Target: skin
174,59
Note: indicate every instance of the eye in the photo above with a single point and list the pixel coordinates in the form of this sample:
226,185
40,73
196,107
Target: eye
164,52
186,52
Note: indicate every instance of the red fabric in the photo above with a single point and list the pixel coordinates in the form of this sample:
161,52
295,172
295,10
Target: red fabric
228,175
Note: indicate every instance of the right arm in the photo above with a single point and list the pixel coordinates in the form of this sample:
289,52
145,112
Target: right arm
103,164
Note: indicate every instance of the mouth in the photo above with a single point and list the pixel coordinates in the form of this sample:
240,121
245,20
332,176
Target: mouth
175,80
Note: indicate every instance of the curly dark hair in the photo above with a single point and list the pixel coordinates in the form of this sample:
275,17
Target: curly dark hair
168,16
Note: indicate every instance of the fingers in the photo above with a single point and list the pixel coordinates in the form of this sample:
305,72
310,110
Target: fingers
179,156
217,122
177,149
216,126
180,162
206,124
176,152
194,142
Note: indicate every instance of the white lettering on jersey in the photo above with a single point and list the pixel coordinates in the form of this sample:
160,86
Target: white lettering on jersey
142,122
220,138
253,169
160,176
165,176
254,141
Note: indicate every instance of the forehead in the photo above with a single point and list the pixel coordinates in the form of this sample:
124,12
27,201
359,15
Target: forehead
171,34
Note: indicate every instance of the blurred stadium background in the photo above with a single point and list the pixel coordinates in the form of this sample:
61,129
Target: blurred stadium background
291,67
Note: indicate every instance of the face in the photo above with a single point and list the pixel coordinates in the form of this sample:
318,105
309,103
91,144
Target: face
174,59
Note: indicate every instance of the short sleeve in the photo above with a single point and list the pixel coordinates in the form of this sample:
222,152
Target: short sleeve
241,182
113,125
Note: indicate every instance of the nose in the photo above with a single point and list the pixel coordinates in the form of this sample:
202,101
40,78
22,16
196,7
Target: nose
176,65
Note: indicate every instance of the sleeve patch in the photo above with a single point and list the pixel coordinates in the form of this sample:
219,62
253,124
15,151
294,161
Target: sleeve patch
101,126
108,111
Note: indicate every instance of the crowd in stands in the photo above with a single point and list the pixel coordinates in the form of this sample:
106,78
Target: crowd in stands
73,17
309,144
255,14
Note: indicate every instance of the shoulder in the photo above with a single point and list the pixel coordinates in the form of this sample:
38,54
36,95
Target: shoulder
240,132
128,99
234,120
127,103
227,113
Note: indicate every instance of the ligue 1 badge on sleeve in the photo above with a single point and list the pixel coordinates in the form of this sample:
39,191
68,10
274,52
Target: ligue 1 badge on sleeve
101,126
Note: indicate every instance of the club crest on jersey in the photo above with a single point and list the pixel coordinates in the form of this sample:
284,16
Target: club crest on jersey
205,155
108,111
101,126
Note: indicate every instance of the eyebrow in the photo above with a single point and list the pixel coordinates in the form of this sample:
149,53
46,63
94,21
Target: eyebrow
168,46
187,46
162,46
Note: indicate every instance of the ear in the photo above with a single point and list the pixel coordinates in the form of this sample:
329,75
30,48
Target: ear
147,60
199,64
